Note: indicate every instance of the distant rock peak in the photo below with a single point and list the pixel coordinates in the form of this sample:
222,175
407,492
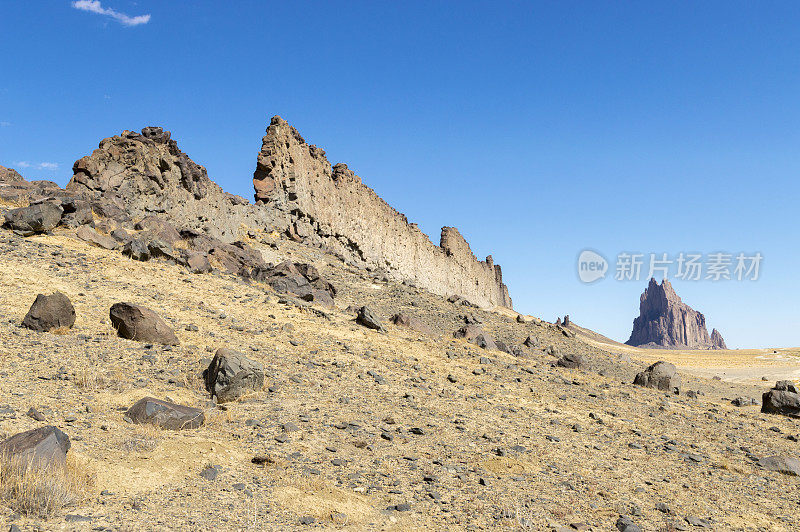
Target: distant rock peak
666,321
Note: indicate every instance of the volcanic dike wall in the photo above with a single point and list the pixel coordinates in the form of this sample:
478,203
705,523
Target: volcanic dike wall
332,206
297,192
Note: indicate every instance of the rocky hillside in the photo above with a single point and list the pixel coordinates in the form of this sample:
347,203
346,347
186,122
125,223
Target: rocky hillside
158,377
666,321
298,194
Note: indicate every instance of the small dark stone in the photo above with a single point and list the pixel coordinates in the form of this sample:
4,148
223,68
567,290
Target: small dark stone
368,319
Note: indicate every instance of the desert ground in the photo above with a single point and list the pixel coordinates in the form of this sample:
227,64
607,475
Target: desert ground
751,366
361,430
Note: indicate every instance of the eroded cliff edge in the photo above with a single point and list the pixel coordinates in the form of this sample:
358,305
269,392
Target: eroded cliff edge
298,193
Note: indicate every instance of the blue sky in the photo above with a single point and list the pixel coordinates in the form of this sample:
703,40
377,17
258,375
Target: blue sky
538,129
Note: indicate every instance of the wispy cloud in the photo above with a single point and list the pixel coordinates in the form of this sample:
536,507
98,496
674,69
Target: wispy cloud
5,124
37,166
94,6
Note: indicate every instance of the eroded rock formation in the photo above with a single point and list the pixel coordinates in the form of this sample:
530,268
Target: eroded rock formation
298,193
666,321
330,206
148,174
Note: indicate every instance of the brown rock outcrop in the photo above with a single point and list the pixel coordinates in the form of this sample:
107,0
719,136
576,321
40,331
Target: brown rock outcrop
298,193
148,174
331,207
666,321
9,175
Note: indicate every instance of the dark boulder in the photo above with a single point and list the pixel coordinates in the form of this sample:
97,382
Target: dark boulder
624,524
300,279
50,312
531,341
42,446
164,414
661,376
38,218
137,249
572,361
368,319
782,399
139,323
77,212
232,375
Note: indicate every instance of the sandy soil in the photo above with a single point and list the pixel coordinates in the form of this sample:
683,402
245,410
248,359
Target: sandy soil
469,439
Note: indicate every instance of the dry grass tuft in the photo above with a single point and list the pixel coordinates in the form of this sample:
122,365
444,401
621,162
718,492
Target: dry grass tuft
144,438
42,491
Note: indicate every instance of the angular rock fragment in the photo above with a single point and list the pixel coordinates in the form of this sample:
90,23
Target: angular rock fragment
232,375
165,414
571,360
661,376
137,249
781,464
624,524
139,323
198,263
369,320
87,234
42,446
50,312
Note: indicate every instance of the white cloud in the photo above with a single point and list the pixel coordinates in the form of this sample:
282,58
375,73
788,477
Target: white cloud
37,166
94,6
5,124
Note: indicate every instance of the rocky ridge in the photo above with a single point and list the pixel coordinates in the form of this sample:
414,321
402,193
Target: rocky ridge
298,193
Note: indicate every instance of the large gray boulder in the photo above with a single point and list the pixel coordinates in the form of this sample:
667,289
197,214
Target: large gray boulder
40,446
661,376
33,219
165,414
139,323
782,399
232,375
50,312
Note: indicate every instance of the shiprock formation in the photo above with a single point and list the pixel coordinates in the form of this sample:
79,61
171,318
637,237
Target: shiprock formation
175,358
666,321
297,193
